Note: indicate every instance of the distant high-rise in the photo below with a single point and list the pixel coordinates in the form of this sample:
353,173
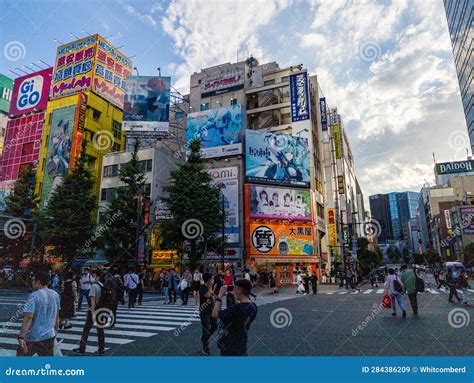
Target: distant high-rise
460,14
380,211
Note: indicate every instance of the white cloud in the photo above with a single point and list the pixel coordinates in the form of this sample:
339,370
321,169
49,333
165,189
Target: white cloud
313,40
144,17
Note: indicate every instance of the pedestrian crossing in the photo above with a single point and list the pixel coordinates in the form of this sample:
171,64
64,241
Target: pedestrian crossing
141,322
433,291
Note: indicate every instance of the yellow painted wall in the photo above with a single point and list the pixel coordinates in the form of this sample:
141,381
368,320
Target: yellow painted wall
108,113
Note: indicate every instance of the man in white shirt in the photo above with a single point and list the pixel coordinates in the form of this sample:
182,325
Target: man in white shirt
85,284
131,284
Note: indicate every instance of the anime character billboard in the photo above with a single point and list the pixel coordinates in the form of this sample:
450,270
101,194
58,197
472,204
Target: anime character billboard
277,159
220,131
58,150
147,104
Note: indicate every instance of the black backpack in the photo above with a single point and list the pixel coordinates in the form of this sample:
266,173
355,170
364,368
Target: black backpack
106,297
419,284
397,285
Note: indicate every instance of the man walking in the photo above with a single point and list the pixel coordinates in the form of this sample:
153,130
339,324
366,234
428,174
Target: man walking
131,284
41,319
235,319
452,285
85,285
314,283
186,279
408,279
173,282
206,305
95,294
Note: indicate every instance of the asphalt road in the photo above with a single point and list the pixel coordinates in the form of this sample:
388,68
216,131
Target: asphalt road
332,322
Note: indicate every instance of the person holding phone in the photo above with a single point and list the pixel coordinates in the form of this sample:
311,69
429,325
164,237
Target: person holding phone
229,282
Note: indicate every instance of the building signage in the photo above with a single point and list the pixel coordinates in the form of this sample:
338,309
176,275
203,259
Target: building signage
340,184
6,86
158,256
299,97
467,219
324,113
147,104
161,210
277,159
222,80
219,130
336,132
281,239
227,179
447,216
31,92
332,228
455,167
78,128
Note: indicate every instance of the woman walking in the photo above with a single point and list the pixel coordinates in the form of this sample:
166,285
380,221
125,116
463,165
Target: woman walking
68,300
196,284
394,287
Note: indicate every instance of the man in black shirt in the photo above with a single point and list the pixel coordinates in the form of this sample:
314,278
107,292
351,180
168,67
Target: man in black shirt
236,319
206,305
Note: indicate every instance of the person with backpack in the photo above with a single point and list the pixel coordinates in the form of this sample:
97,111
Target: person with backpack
409,279
68,300
140,288
236,319
394,287
206,305
463,284
452,283
114,283
131,284
100,308
314,282
85,285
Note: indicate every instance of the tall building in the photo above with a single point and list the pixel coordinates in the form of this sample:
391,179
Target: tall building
380,211
394,216
408,211
460,16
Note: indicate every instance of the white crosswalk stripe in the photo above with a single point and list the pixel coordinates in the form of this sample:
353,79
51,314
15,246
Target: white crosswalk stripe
142,321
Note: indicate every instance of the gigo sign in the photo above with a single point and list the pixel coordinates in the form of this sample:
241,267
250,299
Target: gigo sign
30,93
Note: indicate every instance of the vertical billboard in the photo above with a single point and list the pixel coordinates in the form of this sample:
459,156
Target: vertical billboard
31,92
276,239
73,67
147,104
110,71
58,150
336,132
227,179
277,159
324,113
299,96
268,202
78,133
220,131
467,219
90,64
332,228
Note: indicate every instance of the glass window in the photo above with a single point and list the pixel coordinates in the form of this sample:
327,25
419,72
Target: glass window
179,115
284,79
268,82
117,129
27,149
233,101
204,106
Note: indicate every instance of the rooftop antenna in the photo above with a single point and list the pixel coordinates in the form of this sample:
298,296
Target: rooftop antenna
159,71
21,70
36,65
84,31
19,75
27,67
434,158
136,70
121,46
45,63
73,35
58,41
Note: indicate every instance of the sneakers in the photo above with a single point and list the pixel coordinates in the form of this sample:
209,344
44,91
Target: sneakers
78,351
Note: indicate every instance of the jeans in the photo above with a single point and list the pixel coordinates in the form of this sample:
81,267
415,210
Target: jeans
85,334
40,347
82,294
453,292
413,302
132,297
171,295
399,299
140,295
208,327
465,295
114,311
315,288
185,295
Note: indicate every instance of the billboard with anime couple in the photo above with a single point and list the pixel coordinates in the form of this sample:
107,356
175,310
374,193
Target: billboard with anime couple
220,131
279,203
277,159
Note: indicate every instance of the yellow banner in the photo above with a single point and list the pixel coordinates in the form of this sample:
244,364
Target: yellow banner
336,132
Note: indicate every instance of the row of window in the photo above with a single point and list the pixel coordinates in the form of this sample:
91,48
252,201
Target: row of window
108,194
113,170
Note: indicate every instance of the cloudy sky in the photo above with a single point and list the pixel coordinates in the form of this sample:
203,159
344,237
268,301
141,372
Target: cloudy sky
387,65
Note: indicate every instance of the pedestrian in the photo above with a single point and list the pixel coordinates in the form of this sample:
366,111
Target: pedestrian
340,276
114,285
463,284
218,283
131,282
206,305
299,283
354,282
306,283
236,319
99,313
408,279
314,282
40,321
229,282
56,283
68,300
247,275
442,279
185,285
196,283
452,285
140,288
85,285
164,283
272,284
173,284
373,279
436,273
394,287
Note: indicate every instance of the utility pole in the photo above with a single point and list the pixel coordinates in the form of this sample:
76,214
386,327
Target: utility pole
223,232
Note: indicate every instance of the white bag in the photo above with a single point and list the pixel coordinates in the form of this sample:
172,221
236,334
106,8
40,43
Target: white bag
184,284
57,347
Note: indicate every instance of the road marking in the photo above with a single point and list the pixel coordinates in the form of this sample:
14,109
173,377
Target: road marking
368,291
145,319
63,346
342,292
355,292
380,291
433,291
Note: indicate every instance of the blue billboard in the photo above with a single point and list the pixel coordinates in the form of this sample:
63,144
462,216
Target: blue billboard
299,97
220,131
277,159
147,104
324,114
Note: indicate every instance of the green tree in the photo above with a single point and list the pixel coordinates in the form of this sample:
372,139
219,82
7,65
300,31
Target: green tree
195,205
406,255
67,221
366,258
19,218
432,256
121,235
393,254
418,259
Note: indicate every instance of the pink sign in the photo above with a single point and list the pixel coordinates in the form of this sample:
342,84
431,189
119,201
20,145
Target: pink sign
31,92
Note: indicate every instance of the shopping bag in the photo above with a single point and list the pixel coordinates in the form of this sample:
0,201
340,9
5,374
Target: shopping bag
387,302
57,347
